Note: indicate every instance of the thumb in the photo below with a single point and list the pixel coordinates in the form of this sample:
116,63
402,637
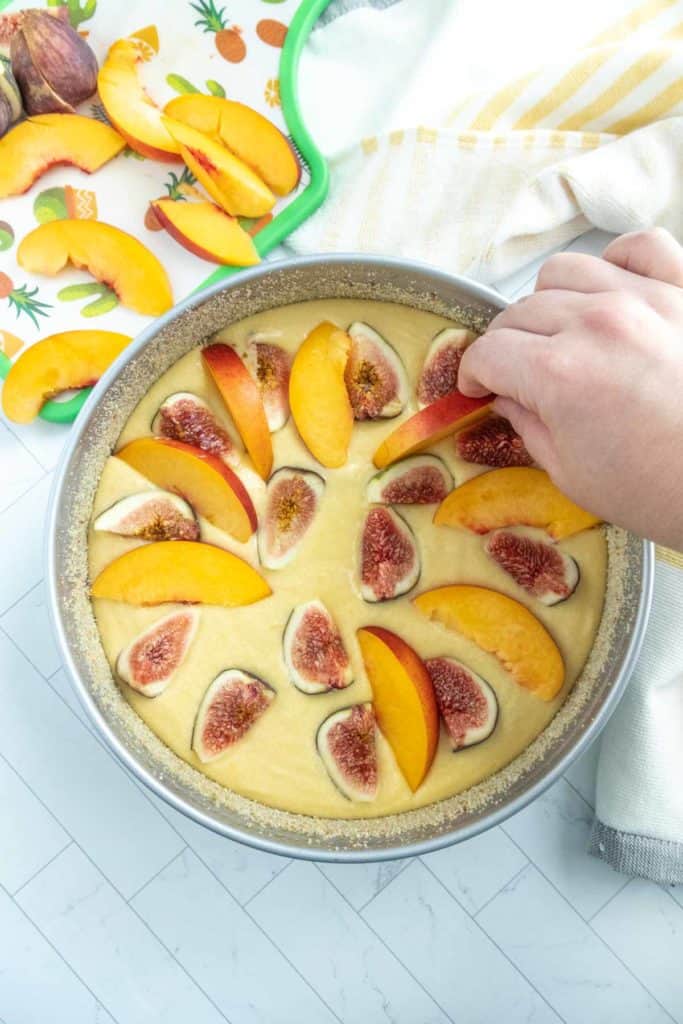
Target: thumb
655,254
532,430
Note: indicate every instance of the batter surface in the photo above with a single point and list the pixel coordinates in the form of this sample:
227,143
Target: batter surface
277,762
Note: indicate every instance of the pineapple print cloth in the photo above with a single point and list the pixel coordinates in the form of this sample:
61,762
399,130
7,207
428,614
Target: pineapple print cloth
479,135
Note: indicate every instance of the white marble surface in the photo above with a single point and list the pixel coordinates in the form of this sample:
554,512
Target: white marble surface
115,909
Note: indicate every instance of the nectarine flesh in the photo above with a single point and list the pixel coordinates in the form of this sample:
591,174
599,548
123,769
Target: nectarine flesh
430,425
318,397
207,231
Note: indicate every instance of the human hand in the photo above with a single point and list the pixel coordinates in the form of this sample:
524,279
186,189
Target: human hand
589,370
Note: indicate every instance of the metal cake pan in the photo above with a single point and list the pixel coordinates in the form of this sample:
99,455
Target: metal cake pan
582,716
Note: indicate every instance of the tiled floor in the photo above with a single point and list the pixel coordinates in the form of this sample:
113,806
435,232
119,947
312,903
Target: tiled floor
115,908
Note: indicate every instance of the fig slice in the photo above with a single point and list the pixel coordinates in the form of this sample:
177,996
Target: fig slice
292,499
314,651
467,703
186,417
389,556
152,658
538,566
439,374
230,707
346,742
150,515
375,377
492,442
269,365
420,480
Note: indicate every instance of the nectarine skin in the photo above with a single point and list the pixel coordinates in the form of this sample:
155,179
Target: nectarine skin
425,428
241,395
207,231
318,397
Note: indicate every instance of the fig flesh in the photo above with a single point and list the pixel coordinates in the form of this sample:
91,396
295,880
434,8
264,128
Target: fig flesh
538,566
346,742
269,365
186,417
292,502
230,707
150,515
389,556
314,651
492,442
440,370
150,661
420,480
375,376
467,703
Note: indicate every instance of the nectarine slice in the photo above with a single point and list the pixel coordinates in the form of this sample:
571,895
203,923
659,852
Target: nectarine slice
129,108
241,395
207,231
180,571
430,425
204,480
246,133
502,626
74,359
318,398
404,701
227,179
39,143
515,496
109,254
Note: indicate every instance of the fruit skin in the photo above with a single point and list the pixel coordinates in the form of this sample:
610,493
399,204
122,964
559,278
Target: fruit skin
492,442
502,626
462,695
241,395
389,556
350,735
292,494
39,143
403,699
246,133
235,695
53,65
328,665
207,232
439,374
375,376
515,496
235,187
109,254
184,416
211,487
430,425
74,359
425,480
160,515
129,108
539,567
269,365
317,394
152,658
180,571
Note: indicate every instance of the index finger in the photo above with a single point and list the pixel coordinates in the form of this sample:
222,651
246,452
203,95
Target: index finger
503,362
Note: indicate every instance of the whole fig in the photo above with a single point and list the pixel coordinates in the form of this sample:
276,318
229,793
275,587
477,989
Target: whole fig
54,66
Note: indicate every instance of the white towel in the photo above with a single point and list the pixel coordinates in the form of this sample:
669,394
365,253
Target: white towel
478,135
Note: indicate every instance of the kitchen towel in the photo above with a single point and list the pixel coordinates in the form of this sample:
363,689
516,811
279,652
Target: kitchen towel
478,136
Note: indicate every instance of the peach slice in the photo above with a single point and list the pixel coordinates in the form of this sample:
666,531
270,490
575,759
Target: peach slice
515,496
503,627
403,699
430,425
205,230
204,480
227,179
109,254
246,133
242,397
41,142
74,359
132,112
317,394
180,571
